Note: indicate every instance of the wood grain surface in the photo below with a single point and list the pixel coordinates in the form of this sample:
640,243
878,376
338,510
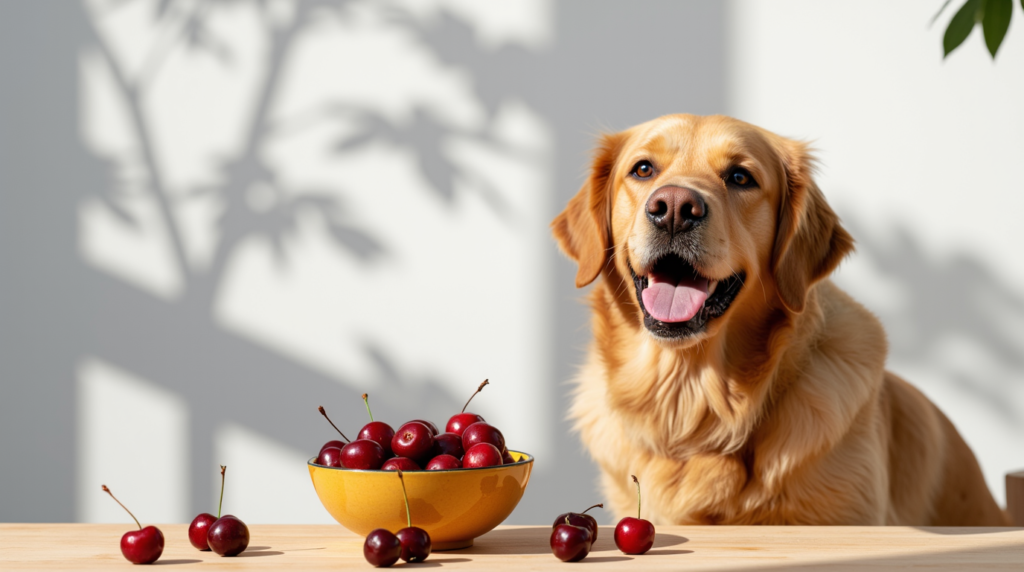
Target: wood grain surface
329,547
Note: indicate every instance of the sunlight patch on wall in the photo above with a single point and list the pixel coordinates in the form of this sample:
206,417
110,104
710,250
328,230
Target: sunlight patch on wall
133,437
265,481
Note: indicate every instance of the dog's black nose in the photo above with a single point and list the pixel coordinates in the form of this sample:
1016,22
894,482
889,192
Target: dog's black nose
675,209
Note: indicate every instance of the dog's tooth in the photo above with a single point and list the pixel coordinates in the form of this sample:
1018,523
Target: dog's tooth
711,287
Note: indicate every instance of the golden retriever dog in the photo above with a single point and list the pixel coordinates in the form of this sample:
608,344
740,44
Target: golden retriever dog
727,371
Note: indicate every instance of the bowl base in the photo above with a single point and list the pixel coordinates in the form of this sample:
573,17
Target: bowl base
451,544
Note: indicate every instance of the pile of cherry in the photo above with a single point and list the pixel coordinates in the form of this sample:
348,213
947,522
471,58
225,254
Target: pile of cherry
573,534
226,535
468,442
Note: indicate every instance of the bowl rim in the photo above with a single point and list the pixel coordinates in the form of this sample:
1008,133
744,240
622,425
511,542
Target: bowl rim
527,459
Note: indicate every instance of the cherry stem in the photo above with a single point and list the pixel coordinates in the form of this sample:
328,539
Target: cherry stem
106,490
405,495
637,496
482,385
223,469
366,401
320,408
595,506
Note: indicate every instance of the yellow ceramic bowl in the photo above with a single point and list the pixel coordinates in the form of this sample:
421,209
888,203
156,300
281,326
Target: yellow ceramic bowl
453,506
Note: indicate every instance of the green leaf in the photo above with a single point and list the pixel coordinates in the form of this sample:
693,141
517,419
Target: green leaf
960,26
995,22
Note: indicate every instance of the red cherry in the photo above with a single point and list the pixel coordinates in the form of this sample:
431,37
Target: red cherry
481,455
228,536
413,440
506,458
329,457
198,529
380,433
415,541
362,454
431,426
382,548
458,422
634,535
481,432
377,431
335,443
580,519
415,544
400,464
448,444
141,546
570,543
443,462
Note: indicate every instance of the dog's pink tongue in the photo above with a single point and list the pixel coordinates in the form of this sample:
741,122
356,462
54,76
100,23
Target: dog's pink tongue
669,300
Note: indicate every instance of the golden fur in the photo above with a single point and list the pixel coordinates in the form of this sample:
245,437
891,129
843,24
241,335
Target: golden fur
780,411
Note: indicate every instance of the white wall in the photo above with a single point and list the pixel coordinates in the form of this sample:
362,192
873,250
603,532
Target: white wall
920,157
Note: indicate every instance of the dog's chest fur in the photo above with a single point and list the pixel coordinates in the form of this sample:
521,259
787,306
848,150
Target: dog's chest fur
717,438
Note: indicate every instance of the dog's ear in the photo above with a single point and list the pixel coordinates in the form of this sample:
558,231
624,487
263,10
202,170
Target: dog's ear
583,229
809,241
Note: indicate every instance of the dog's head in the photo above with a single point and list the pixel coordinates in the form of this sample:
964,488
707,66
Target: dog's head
703,215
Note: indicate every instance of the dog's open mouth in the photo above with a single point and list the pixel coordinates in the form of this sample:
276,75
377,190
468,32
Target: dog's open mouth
678,301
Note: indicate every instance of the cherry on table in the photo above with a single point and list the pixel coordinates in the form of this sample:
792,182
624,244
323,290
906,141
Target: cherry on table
377,431
382,549
142,546
458,422
481,432
413,440
362,454
634,535
443,463
481,455
570,543
448,444
400,464
198,529
415,544
228,535
415,541
580,519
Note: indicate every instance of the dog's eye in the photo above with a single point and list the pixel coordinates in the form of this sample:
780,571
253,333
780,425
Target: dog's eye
741,178
643,170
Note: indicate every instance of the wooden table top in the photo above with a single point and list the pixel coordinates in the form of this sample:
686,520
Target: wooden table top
691,548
